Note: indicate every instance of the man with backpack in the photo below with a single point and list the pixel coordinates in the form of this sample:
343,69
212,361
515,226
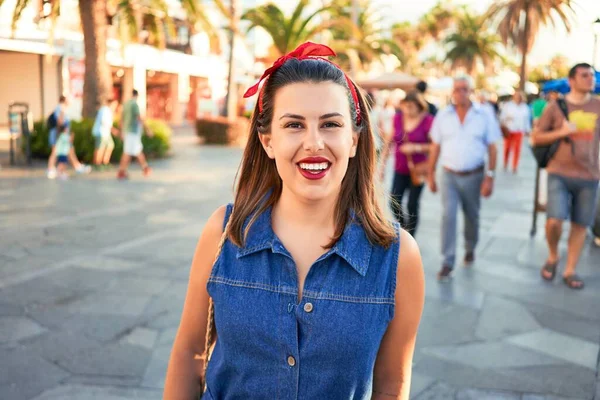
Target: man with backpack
55,121
566,142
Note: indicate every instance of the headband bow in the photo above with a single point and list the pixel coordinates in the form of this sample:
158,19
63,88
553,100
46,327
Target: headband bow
302,52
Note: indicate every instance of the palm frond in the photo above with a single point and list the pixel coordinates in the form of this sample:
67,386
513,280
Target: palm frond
19,7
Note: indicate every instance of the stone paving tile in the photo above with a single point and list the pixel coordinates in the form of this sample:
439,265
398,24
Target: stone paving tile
479,394
463,376
491,355
87,392
419,383
103,380
142,337
136,285
155,374
24,374
13,329
566,323
10,310
436,327
120,304
567,380
568,348
438,391
455,294
501,317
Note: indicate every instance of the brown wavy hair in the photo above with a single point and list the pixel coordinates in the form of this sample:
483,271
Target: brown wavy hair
259,185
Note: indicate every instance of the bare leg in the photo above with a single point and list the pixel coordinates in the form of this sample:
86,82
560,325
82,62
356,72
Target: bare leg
142,160
107,153
576,241
98,156
73,159
553,233
125,159
52,159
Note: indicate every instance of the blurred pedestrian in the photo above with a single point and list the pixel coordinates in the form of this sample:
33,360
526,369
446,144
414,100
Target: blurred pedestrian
102,131
516,117
422,88
58,120
62,148
412,143
132,125
573,171
327,293
462,135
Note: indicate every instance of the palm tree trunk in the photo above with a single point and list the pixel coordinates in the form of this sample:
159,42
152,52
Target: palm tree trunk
524,50
97,84
231,97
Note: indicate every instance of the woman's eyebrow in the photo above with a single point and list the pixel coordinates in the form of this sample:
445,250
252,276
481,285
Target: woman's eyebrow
324,116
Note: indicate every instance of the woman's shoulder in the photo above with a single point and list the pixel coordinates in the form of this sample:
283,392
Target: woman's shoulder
216,222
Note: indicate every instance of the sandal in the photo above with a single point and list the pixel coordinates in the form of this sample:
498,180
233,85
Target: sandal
573,282
550,268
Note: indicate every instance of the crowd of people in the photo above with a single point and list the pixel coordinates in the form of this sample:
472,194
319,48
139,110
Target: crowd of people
132,127
463,138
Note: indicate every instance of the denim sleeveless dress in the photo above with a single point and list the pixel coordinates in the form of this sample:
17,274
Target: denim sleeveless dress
270,346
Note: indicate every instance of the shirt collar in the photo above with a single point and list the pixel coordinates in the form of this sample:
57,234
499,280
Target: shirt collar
353,246
475,106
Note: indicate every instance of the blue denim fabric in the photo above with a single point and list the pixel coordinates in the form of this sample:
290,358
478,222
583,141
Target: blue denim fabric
260,324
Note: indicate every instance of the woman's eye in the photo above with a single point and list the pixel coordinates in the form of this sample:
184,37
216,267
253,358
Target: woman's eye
293,125
331,125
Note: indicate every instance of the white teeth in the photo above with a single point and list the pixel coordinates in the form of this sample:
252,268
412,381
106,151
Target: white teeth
314,166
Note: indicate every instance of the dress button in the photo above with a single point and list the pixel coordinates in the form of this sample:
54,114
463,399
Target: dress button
291,361
308,307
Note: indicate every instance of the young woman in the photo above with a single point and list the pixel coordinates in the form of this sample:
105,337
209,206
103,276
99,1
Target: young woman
313,293
411,137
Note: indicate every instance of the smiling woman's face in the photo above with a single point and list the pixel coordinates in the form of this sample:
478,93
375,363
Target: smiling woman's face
311,138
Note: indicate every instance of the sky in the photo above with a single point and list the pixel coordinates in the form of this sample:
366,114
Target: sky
577,46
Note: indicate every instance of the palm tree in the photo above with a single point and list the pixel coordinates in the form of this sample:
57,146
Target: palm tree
366,39
411,41
518,22
288,32
470,44
439,18
96,17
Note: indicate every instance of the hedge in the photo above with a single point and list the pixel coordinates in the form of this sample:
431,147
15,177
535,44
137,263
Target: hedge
220,130
156,146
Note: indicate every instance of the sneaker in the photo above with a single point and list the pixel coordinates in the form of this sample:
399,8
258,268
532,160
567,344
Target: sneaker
51,174
147,171
445,274
469,258
122,175
84,169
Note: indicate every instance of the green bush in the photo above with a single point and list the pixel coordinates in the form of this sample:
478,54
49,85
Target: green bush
156,146
220,130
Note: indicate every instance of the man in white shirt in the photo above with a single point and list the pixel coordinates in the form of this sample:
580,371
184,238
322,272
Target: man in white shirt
516,117
464,136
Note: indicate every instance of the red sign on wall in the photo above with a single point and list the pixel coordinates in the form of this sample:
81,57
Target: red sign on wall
76,73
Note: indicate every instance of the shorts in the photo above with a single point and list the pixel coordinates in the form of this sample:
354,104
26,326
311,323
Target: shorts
62,159
132,144
52,137
572,197
104,142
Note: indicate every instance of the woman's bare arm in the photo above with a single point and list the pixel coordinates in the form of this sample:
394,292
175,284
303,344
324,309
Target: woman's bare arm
393,366
185,367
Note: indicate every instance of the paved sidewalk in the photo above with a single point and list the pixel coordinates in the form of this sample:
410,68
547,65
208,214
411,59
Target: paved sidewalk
93,273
